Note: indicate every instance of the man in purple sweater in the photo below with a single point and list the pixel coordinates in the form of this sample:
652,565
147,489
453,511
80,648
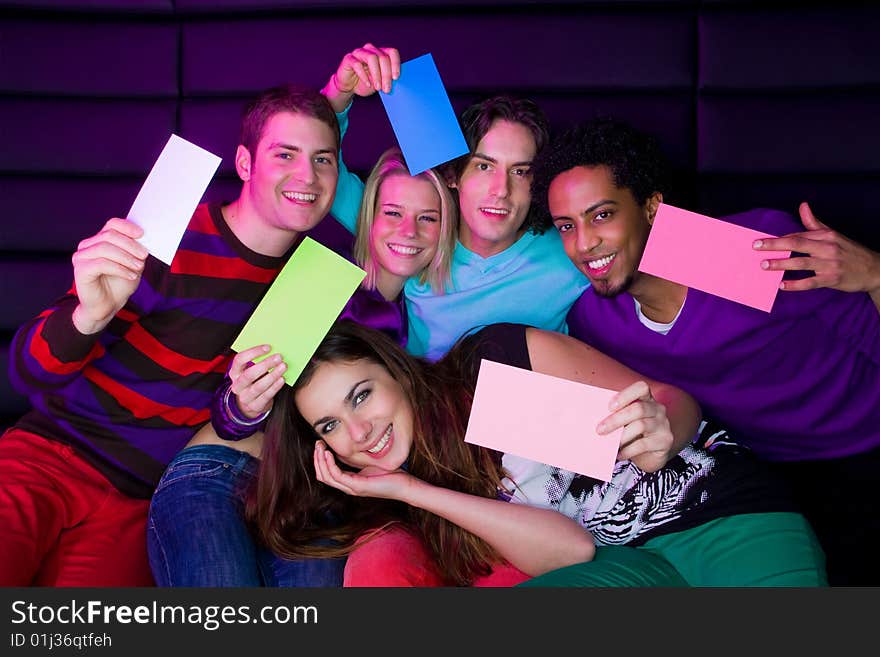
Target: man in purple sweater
799,385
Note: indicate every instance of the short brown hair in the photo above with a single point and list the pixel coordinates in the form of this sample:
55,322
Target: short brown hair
285,98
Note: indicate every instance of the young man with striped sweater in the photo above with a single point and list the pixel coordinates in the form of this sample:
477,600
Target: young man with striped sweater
120,371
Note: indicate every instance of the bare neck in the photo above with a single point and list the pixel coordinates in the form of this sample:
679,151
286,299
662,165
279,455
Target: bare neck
483,248
661,300
253,231
389,285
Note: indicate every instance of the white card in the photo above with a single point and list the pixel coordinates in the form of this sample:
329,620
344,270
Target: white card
170,194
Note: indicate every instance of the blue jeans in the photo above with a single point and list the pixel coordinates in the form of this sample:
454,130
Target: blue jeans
197,535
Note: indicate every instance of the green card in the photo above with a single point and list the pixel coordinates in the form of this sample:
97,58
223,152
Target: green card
301,305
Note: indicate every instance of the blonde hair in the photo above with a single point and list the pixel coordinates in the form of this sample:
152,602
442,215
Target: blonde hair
436,274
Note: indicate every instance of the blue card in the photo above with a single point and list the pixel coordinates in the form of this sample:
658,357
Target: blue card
422,116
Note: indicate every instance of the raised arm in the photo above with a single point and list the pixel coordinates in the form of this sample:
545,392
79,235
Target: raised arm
55,346
838,262
361,72
658,419
532,539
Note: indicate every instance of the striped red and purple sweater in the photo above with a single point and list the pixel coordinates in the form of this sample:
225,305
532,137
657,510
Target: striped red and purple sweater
130,397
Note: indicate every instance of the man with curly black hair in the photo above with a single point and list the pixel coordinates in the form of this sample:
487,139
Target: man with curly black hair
800,385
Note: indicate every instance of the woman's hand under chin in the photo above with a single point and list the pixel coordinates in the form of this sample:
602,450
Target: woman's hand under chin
371,481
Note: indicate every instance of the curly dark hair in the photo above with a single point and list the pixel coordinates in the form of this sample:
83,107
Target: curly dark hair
636,161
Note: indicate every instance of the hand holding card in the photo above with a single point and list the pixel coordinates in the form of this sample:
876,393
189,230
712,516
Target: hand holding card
556,424
301,305
711,255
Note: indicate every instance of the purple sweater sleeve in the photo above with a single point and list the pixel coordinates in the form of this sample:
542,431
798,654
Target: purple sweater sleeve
226,418
48,352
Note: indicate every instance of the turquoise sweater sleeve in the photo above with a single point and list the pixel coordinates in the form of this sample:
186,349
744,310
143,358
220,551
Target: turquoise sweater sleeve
349,188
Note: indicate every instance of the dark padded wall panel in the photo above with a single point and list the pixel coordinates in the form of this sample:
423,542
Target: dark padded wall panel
256,5
789,134
88,58
213,124
787,106
773,50
756,106
842,201
91,6
84,136
499,55
39,214
28,284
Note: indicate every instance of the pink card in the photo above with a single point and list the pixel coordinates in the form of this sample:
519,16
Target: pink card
543,418
711,255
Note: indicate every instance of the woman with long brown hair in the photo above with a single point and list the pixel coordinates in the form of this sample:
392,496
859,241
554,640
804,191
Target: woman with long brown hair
366,420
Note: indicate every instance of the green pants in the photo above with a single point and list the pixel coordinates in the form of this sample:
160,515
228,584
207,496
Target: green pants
756,549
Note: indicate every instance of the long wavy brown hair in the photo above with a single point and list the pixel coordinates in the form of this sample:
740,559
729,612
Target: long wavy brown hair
297,516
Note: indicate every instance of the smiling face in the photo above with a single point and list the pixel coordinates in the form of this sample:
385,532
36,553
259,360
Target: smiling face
603,228
360,411
291,178
406,226
494,192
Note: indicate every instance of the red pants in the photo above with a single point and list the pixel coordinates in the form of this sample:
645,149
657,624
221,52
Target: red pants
398,558
62,523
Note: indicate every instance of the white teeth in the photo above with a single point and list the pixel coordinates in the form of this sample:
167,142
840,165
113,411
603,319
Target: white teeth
495,211
300,196
404,250
382,442
601,262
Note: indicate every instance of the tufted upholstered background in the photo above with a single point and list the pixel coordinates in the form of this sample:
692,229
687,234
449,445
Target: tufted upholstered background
757,103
